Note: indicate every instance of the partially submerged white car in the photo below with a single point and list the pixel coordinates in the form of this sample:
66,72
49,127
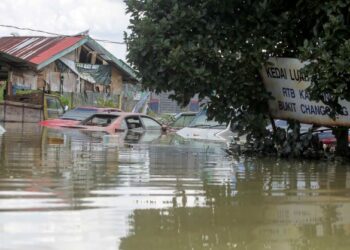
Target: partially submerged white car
202,129
2,130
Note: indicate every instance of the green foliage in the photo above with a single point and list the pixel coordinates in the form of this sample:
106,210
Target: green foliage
151,113
329,51
2,90
285,143
167,118
213,48
27,91
106,103
65,101
176,45
217,48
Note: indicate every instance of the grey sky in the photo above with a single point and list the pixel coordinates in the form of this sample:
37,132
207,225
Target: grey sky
105,19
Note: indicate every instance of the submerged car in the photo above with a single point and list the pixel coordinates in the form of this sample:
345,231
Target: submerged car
203,129
328,139
182,120
118,122
75,116
304,128
324,134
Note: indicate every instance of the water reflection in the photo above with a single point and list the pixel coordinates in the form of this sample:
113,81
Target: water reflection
269,206
62,189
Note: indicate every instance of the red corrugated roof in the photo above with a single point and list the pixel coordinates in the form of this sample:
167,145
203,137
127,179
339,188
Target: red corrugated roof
36,49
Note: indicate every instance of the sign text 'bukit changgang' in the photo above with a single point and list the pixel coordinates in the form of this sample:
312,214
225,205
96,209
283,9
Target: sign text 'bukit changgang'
284,79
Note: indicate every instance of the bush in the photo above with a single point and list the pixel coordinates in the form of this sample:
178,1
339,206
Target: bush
65,101
106,103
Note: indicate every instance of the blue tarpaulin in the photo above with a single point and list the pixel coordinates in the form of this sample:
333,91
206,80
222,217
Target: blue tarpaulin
100,73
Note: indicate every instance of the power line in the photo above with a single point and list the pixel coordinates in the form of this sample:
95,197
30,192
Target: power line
55,34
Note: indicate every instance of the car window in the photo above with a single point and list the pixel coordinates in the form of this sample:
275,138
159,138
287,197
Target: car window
149,123
133,122
201,120
123,125
100,120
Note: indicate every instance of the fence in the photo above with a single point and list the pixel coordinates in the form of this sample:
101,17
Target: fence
126,103
92,99
160,103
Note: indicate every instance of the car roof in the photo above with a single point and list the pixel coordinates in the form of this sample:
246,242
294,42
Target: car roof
124,114
186,114
95,108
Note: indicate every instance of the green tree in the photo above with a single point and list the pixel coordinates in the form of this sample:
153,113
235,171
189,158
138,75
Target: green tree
328,50
217,48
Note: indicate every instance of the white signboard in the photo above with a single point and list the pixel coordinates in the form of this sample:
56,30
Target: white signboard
287,85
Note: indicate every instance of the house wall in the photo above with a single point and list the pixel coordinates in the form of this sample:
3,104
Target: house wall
71,82
44,75
116,82
72,55
25,78
52,76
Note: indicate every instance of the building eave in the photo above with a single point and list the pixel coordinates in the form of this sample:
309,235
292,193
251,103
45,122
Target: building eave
119,64
14,61
62,53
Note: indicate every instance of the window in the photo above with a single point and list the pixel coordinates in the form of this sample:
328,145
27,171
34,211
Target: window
100,120
133,122
149,123
202,121
123,125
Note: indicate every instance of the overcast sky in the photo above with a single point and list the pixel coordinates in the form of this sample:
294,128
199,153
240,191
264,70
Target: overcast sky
105,19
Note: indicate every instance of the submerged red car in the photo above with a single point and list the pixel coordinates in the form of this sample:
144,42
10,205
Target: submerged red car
328,139
75,116
118,122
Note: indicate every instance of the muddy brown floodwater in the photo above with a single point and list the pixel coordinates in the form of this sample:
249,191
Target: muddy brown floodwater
64,189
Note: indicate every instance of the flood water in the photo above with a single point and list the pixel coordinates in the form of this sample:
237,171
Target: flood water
72,190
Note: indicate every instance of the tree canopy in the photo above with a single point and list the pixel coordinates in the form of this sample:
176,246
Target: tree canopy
216,49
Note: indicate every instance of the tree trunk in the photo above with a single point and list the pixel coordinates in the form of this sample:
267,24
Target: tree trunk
341,134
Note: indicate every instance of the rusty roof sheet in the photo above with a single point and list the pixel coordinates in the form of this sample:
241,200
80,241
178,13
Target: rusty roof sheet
36,49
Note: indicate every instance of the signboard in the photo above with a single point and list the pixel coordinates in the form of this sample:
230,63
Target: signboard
288,85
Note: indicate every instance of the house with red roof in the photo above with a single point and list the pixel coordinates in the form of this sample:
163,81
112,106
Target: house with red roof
64,64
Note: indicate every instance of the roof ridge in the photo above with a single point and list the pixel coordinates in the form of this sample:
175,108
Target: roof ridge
42,36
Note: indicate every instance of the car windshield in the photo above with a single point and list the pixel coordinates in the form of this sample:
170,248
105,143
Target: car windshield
78,114
201,121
